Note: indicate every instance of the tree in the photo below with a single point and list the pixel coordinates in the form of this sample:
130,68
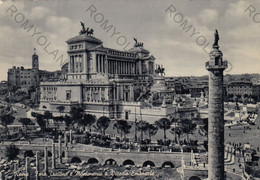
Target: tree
41,122
122,127
68,120
61,109
47,116
25,122
76,115
205,125
176,131
56,120
12,90
141,126
5,120
151,130
102,124
187,127
164,124
88,120
11,152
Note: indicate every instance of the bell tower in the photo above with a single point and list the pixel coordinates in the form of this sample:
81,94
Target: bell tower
216,66
35,60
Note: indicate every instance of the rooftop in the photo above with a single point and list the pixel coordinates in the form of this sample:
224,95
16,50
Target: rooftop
84,37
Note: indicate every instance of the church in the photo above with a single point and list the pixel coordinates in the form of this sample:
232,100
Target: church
103,81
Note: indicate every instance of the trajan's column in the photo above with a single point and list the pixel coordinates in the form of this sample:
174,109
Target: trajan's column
216,66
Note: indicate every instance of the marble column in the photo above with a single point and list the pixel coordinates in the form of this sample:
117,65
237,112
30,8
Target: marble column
101,64
106,63
27,168
74,63
118,91
60,150
216,66
66,139
124,72
127,67
116,68
97,63
37,165
66,153
70,136
53,163
119,67
122,92
45,160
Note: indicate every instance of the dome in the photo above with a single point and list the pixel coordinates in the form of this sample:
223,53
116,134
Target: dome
84,37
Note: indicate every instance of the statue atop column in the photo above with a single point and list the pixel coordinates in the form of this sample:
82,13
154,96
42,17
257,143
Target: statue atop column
85,31
216,39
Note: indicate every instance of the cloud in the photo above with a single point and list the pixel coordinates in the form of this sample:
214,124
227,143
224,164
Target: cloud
208,16
39,12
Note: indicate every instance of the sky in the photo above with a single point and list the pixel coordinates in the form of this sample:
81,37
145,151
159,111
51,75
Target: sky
159,25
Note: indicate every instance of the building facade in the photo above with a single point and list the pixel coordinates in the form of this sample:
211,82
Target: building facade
103,81
243,90
31,77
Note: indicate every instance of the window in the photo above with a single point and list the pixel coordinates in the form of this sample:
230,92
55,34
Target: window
126,115
68,94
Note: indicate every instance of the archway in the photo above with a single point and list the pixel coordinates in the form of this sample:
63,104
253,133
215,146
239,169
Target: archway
28,153
93,161
168,164
76,160
148,164
110,162
194,178
128,162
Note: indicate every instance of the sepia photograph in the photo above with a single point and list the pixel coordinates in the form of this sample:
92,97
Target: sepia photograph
129,90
